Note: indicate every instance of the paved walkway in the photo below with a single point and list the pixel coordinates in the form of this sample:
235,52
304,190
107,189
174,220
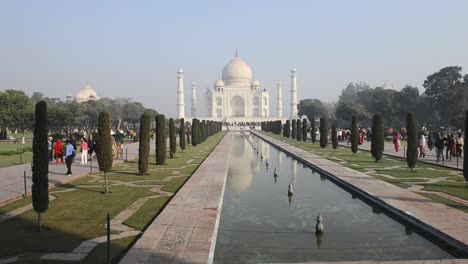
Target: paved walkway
430,158
413,207
12,178
185,231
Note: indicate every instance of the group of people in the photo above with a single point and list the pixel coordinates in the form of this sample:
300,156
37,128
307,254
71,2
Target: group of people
65,153
452,144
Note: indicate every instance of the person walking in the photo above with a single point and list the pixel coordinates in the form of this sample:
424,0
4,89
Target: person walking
460,143
439,145
84,151
69,155
422,146
450,145
397,141
58,149
50,148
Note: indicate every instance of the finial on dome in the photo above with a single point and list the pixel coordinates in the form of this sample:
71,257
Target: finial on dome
236,53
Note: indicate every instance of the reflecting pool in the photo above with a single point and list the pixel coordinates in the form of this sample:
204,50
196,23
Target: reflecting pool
261,222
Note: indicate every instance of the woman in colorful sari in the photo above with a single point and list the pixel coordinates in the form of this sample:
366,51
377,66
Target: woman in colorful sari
396,141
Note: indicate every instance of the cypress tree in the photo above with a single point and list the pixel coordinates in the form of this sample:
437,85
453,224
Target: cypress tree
313,130
323,132
104,150
182,134
298,130
412,141
294,128
189,137
194,132
144,143
354,135
172,138
40,167
287,129
160,139
304,130
465,151
334,136
377,137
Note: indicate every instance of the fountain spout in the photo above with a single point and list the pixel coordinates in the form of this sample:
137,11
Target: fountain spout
319,225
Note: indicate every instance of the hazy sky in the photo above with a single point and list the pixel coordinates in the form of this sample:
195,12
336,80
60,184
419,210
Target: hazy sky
134,48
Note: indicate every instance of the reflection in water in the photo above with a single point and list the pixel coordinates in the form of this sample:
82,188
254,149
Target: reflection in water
318,238
258,225
290,195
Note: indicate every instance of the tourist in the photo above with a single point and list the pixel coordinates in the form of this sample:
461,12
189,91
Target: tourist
397,141
90,143
450,144
84,151
50,148
460,143
422,146
439,145
58,149
69,156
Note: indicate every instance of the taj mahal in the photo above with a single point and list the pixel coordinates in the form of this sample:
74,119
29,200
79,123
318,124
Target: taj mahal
237,97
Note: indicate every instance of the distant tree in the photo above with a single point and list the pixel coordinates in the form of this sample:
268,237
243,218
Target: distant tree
304,130
104,150
313,130
172,138
298,130
377,137
465,151
182,134
287,129
412,141
40,164
144,143
311,108
294,128
447,90
334,135
354,135
323,132
160,139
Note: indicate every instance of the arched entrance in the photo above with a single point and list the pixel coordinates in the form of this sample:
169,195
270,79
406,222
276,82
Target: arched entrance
237,106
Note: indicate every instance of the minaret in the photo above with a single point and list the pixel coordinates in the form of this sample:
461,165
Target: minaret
279,105
194,99
180,95
293,93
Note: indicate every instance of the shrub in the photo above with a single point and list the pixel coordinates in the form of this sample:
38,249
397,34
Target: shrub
323,132
104,150
40,167
287,129
298,130
412,141
294,128
304,130
160,139
334,136
182,134
195,131
172,138
313,130
144,146
377,137
354,135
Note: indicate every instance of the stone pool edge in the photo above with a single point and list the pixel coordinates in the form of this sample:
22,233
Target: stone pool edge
437,219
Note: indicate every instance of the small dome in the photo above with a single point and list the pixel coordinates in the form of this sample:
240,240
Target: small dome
237,73
386,86
255,83
86,94
219,83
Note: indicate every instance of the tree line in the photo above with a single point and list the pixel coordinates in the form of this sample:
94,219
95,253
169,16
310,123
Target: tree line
441,104
17,112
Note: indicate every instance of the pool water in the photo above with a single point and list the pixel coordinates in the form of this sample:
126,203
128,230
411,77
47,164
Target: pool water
261,223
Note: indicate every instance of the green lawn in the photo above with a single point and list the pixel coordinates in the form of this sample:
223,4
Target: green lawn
80,214
391,169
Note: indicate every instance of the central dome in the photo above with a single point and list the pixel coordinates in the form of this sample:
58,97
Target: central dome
237,73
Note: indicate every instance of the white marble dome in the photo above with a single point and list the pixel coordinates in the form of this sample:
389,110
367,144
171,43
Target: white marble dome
219,83
237,73
85,94
386,86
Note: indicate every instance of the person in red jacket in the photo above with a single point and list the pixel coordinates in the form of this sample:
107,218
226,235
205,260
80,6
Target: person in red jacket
58,149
